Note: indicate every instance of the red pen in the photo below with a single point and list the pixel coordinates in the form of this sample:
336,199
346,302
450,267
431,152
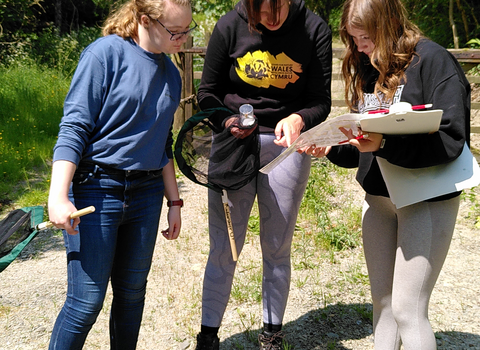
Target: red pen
429,105
359,137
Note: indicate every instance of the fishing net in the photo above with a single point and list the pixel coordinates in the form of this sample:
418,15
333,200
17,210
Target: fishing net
20,226
17,229
220,150
209,154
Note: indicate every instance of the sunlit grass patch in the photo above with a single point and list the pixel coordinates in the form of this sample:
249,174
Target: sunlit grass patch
31,101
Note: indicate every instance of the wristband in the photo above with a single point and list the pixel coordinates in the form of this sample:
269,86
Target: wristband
177,203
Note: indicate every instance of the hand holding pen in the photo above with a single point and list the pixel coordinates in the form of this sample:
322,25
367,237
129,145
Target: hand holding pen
359,137
365,142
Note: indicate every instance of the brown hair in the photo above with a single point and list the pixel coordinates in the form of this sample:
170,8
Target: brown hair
253,11
394,36
124,21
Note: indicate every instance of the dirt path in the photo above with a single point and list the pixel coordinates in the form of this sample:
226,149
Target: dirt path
327,307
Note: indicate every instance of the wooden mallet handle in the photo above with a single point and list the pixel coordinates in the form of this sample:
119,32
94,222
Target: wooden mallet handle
74,215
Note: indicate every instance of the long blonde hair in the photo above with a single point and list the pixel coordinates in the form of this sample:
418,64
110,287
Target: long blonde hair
124,21
394,36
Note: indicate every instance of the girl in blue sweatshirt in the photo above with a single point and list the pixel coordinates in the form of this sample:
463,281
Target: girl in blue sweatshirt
114,152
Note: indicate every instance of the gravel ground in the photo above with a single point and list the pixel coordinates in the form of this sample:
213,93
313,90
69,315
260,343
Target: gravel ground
328,308
329,305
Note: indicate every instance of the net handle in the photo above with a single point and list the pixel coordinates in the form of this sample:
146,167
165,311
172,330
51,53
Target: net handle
74,215
228,219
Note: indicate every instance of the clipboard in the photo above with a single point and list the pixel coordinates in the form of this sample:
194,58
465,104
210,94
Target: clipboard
403,123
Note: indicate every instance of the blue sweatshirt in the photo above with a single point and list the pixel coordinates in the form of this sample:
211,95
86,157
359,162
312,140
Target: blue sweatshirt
120,107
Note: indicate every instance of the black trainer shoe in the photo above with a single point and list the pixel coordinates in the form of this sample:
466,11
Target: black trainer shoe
271,341
207,342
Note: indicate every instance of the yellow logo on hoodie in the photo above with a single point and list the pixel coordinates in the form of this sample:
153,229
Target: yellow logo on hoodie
261,69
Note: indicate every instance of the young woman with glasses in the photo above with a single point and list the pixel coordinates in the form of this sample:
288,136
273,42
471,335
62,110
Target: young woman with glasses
114,151
276,56
388,60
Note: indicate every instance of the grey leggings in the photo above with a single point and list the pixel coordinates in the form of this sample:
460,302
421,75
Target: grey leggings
279,195
405,250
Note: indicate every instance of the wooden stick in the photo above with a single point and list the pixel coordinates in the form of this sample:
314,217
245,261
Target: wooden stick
74,215
228,218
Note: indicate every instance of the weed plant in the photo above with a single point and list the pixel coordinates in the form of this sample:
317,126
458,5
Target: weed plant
47,49
471,196
335,225
329,222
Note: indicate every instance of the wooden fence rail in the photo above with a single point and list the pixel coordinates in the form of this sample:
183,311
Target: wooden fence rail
467,57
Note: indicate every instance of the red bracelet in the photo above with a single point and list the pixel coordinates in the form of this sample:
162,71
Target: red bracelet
177,203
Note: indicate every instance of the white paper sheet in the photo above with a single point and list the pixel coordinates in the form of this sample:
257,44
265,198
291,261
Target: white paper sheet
328,133
409,186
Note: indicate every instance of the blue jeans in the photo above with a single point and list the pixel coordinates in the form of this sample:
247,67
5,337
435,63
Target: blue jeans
115,243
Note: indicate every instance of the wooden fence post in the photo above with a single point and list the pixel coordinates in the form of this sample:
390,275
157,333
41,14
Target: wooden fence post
188,88
179,117
184,63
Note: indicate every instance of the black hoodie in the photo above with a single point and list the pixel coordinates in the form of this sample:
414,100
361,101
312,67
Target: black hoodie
434,76
278,72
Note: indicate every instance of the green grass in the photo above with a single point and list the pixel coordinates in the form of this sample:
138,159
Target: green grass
470,196
335,226
31,101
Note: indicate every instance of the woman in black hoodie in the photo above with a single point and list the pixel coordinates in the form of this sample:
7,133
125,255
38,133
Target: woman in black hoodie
276,56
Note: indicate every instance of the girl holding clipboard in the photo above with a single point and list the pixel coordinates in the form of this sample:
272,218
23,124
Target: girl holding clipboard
388,61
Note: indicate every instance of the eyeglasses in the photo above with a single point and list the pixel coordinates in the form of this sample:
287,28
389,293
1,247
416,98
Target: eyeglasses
177,36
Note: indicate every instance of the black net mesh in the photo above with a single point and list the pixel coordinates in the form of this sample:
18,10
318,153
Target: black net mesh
210,155
14,229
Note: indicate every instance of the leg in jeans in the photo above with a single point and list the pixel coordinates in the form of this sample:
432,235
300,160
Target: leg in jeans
93,257
133,257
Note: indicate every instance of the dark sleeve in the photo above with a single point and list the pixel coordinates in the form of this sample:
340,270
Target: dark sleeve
345,156
443,84
213,86
214,81
318,89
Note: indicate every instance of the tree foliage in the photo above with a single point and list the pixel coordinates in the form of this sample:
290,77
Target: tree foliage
325,8
432,18
32,16
27,24
15,14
